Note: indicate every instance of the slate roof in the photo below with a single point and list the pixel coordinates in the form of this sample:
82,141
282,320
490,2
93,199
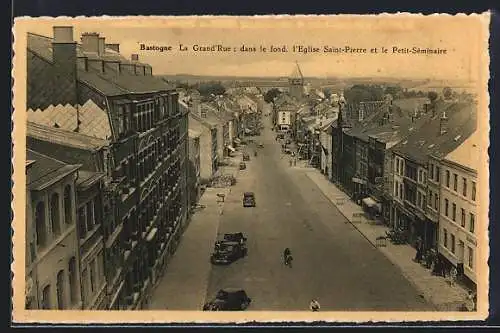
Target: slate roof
88,178
109,84
462,122
468,153
46,170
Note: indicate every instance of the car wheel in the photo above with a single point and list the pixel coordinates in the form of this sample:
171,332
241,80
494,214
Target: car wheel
244,305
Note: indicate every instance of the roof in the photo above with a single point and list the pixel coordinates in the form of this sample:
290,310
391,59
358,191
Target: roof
327,123
88,178
296,73
193,133
64,137
427,140
46,171
109,84
468,153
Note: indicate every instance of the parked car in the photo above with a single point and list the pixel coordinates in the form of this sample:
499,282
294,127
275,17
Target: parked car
246,157
228,299
228,251
243,165
248,199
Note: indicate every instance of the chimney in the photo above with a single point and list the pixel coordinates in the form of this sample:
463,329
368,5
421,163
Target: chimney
126,67
65,64
96,64
134,57
443,124
113,46
83,63
90,42
102,46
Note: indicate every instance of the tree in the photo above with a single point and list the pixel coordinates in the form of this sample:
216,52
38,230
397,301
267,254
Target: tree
432,96
363,93
327,92
447,93
206,89
271,95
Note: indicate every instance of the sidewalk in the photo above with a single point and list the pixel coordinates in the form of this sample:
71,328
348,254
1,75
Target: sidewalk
434,289
186,276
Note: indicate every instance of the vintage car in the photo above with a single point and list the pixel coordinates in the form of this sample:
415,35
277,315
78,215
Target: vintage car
228,299
235,237
228,251
246,157
243,165
248,199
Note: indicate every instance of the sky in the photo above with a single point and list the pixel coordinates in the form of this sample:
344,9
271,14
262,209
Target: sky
461,36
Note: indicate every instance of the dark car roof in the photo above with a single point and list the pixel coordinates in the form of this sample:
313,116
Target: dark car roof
231,290
226,242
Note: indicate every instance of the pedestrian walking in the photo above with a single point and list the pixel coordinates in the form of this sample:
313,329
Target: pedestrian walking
453,276
314,305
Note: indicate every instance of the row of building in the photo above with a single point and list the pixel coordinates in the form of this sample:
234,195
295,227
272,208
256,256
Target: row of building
410,163
114,160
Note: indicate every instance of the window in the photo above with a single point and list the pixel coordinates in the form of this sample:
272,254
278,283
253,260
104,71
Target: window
473,194
60,290
462,221
437,173
464,187
41,232
452,240
82,226
90,215
445,238
54,214
447,178
46,297
455,182
431,171
436,201
85,285
429,203
401,191
423,201
68,205
446,204
454,212
73,286
92,276
470,262
472,222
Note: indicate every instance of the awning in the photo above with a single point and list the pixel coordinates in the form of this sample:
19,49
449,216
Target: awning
151,234
230,148
370,203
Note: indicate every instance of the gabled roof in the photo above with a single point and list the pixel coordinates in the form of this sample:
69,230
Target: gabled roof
46,170
428,141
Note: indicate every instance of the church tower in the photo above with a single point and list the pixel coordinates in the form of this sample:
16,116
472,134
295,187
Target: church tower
296,83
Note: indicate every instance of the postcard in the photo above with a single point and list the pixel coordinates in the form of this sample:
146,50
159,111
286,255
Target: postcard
239,169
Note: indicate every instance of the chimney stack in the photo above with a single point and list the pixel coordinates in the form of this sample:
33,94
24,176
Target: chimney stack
443,124
90,42
113,46
65,63
102,45
196,102
134,57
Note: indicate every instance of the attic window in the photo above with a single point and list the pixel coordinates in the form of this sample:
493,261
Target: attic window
457,138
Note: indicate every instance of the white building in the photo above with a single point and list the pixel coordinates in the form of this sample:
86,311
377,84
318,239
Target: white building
458,222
